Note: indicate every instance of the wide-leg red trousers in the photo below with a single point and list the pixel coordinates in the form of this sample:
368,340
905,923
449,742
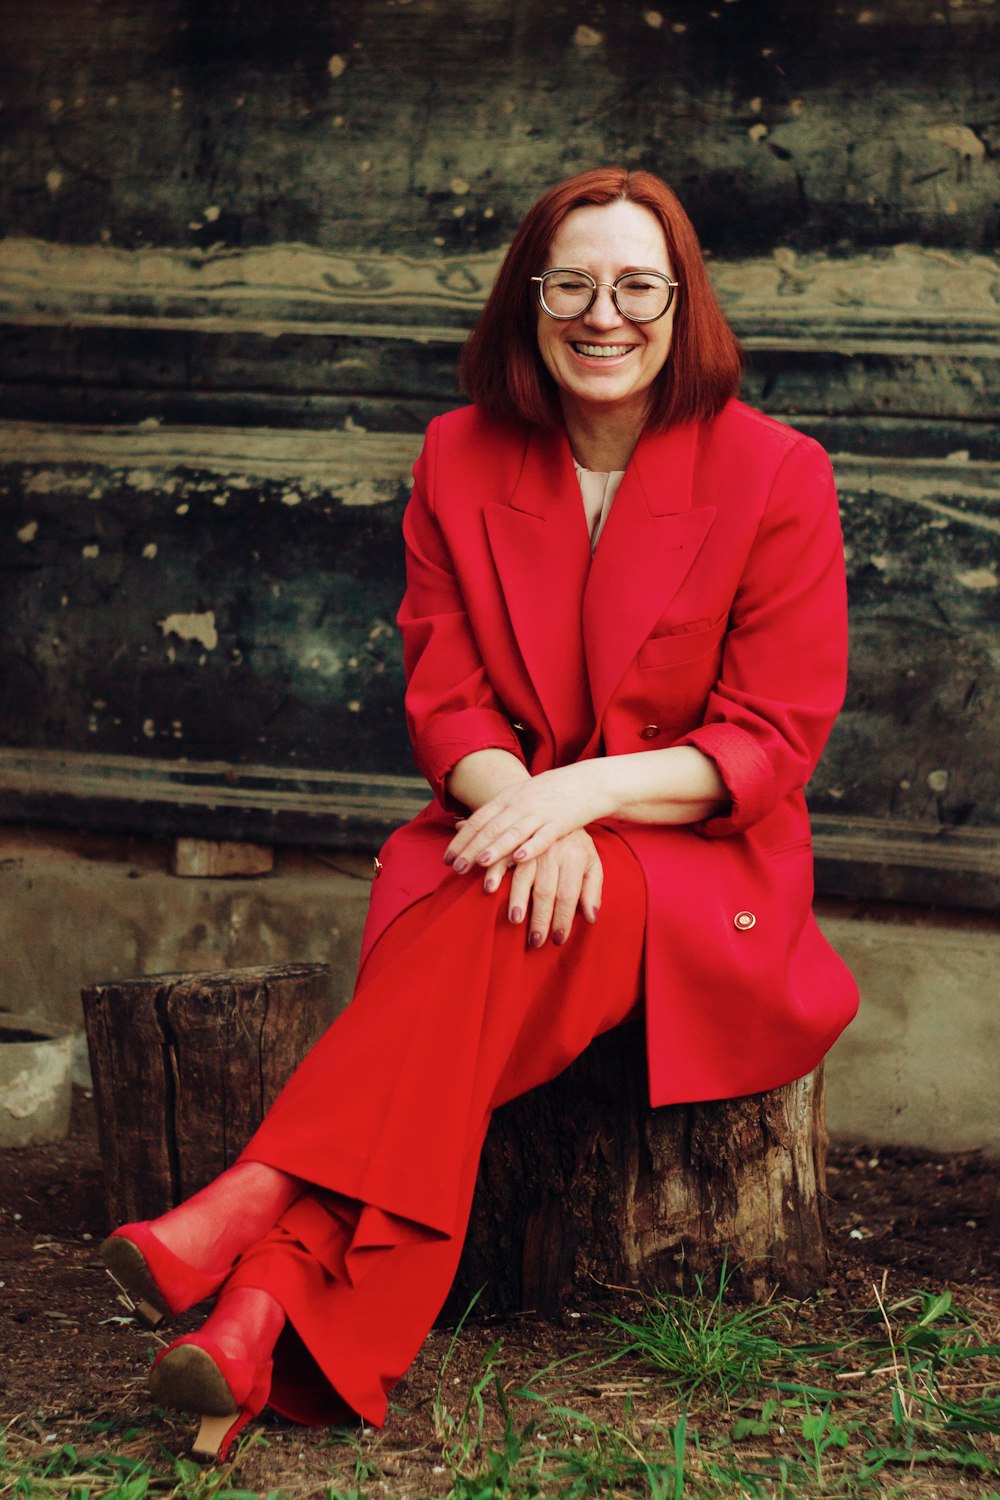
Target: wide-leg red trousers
385,1120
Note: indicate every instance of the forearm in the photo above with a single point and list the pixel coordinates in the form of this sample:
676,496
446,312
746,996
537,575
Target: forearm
675,786
479,777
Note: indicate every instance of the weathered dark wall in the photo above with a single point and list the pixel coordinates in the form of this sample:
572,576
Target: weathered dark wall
243,246
401,123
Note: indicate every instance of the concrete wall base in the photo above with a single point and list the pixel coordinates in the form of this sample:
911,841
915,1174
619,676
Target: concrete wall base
917,1068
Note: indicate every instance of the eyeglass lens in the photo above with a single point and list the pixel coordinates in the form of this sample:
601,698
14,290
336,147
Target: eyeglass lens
645,294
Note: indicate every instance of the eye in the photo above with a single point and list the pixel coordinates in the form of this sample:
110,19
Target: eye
639,284
567,282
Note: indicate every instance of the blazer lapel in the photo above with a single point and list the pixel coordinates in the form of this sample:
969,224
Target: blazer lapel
541,551
650,541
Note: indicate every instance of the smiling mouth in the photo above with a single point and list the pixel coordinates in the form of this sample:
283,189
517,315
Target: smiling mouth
603,351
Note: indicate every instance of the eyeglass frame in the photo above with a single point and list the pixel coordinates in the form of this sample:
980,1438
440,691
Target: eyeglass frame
640,270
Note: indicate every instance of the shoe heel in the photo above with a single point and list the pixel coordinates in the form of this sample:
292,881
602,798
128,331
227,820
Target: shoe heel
215,1437
150,1315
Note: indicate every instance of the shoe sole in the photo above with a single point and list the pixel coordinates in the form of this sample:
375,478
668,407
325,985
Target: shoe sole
188,1379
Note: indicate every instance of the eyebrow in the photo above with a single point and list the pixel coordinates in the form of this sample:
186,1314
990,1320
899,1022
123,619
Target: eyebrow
625,270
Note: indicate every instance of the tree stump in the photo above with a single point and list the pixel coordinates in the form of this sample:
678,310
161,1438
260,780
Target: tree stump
583,1186
184,1067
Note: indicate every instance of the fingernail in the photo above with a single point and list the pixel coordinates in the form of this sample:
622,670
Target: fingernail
486,858
489,886
535,940
558,938
516,915
449,859
519,854
460,865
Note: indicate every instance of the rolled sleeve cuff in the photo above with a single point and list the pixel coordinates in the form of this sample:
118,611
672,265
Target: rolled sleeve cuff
438,749
746,771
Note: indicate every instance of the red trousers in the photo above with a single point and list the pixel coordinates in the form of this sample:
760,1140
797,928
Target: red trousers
385,1119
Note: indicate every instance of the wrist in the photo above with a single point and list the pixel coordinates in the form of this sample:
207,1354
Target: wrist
607,789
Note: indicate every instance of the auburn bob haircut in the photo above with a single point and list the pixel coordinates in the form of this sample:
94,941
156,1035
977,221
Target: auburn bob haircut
501,368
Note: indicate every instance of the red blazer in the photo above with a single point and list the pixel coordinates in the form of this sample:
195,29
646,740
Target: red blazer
713,613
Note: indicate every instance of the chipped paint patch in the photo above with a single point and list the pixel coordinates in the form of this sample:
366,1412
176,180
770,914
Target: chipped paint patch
142,479
337,66
55,482
192,627
149,550
28,532
978,578
91,550
960,138
586,36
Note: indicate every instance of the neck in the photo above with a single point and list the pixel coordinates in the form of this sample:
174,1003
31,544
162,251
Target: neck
602,440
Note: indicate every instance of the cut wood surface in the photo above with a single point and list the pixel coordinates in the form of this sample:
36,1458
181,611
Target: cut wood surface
583,1186
184,1068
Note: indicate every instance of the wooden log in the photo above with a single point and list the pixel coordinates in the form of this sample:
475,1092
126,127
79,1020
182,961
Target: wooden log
184,1067
583,1186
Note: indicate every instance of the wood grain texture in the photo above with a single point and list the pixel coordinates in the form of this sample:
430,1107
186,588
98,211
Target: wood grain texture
582,1186
184,1067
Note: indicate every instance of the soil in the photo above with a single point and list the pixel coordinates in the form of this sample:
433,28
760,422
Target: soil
74,1366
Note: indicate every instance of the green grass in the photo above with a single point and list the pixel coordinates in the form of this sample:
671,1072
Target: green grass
725,1403
683,1398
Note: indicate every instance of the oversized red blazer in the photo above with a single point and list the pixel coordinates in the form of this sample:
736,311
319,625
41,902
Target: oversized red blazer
713,613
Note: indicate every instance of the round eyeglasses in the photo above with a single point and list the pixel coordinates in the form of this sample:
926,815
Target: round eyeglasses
640,296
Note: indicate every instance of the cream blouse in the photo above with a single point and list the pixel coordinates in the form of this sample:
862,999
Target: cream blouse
598,491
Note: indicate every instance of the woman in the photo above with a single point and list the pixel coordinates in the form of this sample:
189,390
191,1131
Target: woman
624,633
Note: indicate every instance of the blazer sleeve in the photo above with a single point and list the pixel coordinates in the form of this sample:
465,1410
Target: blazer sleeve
451,708
784,666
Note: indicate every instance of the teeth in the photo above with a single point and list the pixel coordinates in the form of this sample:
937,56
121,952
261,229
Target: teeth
602,351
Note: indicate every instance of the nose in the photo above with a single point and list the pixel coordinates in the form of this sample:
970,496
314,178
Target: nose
602,312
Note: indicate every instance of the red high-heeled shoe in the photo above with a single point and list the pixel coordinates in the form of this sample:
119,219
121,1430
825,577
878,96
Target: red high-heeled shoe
154,1279
195,1374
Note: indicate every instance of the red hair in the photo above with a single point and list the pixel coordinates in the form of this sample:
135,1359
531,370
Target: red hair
501,368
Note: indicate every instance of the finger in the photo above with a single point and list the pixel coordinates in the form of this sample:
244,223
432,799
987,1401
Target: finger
486,844
538,843
495,875
567,899
520,891
543,899
592,889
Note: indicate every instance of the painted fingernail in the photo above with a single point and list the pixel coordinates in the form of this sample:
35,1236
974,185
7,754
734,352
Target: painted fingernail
489,886
535,940
486,858
460,865
516,914
520,854
558,938
449,859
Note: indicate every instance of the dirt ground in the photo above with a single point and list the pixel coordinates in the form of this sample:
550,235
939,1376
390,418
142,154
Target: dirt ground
72,1368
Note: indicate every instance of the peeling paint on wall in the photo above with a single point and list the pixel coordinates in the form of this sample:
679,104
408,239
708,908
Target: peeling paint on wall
192,627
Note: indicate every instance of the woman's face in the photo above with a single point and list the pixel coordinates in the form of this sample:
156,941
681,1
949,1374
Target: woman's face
600,361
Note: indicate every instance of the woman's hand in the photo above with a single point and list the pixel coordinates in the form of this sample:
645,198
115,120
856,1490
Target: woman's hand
523,821
547,892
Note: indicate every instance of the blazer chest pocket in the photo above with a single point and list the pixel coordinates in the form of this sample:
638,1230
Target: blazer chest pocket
683,643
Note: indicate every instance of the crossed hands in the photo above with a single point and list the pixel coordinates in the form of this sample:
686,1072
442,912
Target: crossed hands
536,829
